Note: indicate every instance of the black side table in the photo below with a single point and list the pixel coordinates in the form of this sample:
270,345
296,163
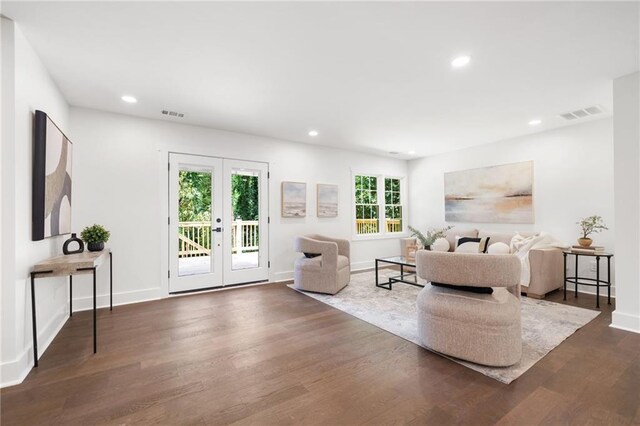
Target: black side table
593,282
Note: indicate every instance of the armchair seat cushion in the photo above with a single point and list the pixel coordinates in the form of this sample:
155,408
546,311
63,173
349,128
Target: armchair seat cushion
315,263
343,262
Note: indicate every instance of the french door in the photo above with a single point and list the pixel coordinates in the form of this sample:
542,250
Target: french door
218,222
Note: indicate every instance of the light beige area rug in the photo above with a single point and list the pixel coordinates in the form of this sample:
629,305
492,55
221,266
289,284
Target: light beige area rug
544,324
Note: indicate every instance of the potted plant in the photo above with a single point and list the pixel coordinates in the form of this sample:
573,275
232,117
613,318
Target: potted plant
95,236
432,235
590,225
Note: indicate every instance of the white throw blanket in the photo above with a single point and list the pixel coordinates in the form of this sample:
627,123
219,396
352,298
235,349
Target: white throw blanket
520,246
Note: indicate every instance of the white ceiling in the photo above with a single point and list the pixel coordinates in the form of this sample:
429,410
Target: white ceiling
368,76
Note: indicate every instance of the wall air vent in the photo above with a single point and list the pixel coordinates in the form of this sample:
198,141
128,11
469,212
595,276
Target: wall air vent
581,113
172,113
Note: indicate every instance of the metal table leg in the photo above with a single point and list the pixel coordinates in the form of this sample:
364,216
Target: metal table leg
95,346
33,320
110,281
575,292
564,283
597,281
70,295
609,280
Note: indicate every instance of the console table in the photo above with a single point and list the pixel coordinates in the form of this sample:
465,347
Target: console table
73,264
593,282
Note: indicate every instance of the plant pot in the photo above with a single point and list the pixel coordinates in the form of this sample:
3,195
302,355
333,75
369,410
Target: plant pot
585,242
95,246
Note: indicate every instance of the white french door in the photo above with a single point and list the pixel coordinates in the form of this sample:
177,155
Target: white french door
218,222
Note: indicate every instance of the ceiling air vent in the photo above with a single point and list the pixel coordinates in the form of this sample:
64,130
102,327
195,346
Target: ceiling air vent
172,113
581,113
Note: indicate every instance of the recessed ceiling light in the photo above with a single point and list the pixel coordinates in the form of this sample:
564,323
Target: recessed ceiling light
411,152
460,61
129,99
535,122
313,133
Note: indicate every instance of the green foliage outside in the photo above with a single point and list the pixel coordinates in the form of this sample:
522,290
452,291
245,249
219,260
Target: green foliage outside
245,197
195,197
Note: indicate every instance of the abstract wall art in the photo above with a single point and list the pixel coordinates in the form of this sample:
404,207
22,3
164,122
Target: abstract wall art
496,194
294,199
327,200
51,197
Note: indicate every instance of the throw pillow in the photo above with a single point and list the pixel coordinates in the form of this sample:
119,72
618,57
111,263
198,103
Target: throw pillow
441,244
483,244
480,290
311,255
498,248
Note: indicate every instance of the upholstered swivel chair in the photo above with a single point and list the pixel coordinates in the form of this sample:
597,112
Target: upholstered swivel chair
481,328
329,271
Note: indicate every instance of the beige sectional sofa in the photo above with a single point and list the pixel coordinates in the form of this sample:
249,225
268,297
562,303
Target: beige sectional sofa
546,264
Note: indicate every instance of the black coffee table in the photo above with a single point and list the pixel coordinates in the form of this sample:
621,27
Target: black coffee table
404,277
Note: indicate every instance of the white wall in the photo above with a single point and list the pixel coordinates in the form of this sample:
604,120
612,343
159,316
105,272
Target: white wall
573,178
626,126
34,89
120,180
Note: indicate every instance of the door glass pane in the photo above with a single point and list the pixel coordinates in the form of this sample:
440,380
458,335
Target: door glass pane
194,227
245,228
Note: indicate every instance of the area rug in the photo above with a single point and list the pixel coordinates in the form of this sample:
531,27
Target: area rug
544,324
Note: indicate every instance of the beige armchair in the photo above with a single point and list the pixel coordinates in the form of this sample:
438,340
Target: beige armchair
481,328
327,273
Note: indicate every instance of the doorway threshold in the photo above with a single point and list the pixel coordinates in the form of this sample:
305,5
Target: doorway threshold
219,288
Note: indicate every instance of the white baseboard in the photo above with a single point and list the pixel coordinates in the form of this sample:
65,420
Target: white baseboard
626,322
122,298
14,372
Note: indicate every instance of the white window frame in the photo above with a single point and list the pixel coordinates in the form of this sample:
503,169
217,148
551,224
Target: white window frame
382,234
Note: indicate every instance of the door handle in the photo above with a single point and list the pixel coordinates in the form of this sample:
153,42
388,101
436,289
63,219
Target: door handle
218,229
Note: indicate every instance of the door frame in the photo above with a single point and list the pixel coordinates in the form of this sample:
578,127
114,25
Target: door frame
165,252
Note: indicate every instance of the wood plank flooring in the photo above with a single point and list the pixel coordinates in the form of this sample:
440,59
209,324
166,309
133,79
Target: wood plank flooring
267,355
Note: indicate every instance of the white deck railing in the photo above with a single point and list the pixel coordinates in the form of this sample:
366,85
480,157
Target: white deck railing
194,238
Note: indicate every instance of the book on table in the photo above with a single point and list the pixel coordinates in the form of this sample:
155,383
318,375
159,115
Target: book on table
590,249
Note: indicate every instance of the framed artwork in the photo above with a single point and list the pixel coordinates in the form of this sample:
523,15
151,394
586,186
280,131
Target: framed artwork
294,199
496,194
51,193
327,204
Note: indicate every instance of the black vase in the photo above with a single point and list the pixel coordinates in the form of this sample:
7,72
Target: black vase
95,246
73,239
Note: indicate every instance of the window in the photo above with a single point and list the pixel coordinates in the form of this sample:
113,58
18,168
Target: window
367,208
378,205
392,205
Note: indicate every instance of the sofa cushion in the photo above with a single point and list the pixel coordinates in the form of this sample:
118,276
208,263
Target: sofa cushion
441,244
472,245
452,233
499,248
502,236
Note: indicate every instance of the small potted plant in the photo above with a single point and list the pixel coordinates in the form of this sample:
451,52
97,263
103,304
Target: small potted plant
431,237
95,236
590,225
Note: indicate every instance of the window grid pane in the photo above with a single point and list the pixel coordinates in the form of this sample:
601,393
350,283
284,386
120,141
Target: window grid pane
393,205
367,210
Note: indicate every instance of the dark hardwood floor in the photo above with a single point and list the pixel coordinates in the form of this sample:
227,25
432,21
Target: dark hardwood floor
268,355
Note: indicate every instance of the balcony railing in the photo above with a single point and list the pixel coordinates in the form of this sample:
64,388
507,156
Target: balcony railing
194,238
370,226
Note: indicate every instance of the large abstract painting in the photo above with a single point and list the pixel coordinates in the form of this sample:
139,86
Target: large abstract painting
294,199
497,194
51,214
